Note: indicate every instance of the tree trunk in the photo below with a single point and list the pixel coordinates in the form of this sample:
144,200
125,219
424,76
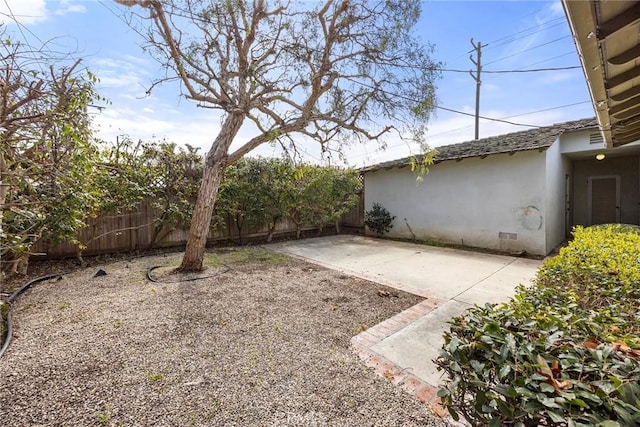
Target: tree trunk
157,229
239,220
214,165
272,229
4,190
202,213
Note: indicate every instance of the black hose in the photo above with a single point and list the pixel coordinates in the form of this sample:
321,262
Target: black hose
12,298
14,295
190,279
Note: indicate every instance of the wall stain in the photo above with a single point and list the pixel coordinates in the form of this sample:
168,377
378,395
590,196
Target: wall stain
530,218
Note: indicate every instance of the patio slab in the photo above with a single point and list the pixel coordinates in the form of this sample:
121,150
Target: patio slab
451,280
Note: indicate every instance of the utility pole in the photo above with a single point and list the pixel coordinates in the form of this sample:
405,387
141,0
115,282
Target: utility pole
478,63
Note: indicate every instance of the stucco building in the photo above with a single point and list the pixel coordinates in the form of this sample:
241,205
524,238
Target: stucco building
523,191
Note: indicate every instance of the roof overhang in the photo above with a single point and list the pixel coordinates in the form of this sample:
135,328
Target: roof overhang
607,36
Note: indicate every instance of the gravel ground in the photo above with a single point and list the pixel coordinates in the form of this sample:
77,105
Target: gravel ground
263,344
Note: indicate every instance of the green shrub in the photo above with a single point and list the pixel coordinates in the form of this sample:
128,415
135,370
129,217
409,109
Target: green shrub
563,352
618,228
378,219
599,273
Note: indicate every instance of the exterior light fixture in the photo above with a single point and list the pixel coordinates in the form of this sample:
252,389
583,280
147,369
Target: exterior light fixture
591,35
600,156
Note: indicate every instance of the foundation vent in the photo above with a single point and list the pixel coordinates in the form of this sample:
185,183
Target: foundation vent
596,138
507,236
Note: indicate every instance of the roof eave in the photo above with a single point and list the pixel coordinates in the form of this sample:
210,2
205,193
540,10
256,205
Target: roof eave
606,36
581,17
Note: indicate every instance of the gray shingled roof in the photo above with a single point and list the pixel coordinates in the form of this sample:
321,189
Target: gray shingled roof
533,139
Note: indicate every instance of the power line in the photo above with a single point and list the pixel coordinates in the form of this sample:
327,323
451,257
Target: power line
504,117
517,70
540,28
528,49
406,98
484,117
571,52
548,109
466,71
532,70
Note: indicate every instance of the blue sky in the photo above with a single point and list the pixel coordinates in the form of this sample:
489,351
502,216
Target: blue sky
518,35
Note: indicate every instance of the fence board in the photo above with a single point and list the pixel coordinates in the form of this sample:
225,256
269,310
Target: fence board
133,230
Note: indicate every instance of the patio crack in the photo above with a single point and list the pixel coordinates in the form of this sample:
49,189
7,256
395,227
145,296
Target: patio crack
482,280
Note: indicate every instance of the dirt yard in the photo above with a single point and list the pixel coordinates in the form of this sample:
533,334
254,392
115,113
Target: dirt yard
264,341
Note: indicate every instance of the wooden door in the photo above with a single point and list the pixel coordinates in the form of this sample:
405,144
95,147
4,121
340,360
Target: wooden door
604,199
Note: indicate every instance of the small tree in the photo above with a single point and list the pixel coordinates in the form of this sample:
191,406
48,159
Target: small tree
301,197
331,193
175,173
257,192
345,184
378,219
243,194
278,182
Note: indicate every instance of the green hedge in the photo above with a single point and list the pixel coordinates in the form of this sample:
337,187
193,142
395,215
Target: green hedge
565,351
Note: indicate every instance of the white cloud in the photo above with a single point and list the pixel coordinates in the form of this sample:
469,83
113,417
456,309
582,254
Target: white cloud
116,73
141,122
148,119
28,12
557,77
68,6
24,12
556,9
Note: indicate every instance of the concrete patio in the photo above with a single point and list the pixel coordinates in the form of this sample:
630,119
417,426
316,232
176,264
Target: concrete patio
450,280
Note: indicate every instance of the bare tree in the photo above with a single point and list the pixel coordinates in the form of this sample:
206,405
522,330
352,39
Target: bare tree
343,72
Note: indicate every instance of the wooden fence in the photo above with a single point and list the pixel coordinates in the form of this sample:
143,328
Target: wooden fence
134,230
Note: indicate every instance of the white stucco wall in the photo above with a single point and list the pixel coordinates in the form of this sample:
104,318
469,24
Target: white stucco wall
496,202
578,142
557,168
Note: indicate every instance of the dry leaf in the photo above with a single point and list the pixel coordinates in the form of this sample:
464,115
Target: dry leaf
591,344
548,372
439,410
623,347
544,367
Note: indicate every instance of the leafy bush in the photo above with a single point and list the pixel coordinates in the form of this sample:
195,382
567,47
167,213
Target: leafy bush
329,193
563,352
257,192
618,228
599,273
378,219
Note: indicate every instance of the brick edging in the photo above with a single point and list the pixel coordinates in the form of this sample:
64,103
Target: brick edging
383,367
